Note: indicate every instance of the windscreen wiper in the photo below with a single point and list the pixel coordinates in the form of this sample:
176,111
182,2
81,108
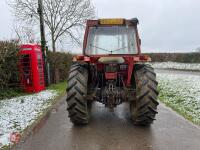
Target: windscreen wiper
99,48
111,51
118,49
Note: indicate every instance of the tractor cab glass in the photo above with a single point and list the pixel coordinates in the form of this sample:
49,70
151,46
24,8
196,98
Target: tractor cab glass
111,40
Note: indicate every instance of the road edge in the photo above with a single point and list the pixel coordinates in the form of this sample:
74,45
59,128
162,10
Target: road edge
178,115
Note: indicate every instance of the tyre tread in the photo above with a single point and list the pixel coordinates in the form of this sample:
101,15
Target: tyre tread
145,107
77,88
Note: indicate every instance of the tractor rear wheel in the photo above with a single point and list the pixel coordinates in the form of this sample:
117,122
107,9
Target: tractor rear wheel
144,107
76,91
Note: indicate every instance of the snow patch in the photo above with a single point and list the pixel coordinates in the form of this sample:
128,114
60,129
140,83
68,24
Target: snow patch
18,113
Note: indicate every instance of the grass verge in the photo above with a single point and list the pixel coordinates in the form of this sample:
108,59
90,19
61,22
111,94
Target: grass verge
60,87
182,94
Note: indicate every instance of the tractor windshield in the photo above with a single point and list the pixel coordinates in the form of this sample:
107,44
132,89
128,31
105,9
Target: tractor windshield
111,40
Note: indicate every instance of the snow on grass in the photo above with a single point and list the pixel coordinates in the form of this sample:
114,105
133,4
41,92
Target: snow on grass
18,113
175,65
182,93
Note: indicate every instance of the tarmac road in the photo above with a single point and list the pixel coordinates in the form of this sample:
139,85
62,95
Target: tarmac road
113,131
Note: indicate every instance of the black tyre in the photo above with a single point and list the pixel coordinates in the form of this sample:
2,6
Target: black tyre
76,91
144,108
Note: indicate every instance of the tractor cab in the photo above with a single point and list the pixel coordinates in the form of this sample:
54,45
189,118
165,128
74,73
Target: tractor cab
111,36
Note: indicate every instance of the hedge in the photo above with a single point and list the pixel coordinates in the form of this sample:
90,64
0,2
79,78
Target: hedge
8,64
175,57
59,65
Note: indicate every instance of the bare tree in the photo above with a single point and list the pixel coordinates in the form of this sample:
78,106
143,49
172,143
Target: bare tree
24,33
62,17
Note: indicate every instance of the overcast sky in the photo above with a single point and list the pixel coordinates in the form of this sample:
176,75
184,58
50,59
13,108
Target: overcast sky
165,25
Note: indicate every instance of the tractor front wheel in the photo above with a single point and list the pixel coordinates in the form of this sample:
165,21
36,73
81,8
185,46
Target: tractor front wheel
76,92
144,108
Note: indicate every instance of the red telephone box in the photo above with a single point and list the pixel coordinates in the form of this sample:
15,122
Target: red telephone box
31,68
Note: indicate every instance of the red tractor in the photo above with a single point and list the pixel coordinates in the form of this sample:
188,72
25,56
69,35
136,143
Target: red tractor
112,70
